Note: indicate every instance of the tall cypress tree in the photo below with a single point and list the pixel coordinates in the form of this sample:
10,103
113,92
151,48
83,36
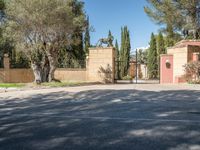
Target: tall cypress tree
116,51
77,45
77,36
117,73
121,57
110,37
160,44
160,49
152,62
125,51
87,37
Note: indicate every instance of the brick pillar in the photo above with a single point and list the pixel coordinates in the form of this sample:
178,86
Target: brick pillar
101,65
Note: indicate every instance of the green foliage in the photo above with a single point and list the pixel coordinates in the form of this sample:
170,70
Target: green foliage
192,72
142,56
67,59
152,61
77,46
11,85
61,84
117,71
127,78
19,60
57,19
42,27
160,49
125,51
77,43
177,15
160,44
4,42
2,9
6,46
87,37
116,51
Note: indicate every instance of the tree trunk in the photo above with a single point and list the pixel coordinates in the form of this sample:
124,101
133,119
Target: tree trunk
45,69
37,70
52,64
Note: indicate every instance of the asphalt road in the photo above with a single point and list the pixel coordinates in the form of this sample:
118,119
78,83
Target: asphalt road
146,117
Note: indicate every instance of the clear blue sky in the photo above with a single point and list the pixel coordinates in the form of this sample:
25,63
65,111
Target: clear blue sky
113,14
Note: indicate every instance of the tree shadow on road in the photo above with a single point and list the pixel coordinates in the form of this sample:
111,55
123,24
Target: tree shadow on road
102,120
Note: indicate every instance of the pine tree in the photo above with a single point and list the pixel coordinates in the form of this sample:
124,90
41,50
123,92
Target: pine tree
179,15
152,62
87,37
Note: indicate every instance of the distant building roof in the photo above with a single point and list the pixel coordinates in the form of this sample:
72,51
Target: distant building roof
185,43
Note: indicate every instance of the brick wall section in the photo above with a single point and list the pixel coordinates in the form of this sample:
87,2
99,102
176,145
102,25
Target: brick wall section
101,65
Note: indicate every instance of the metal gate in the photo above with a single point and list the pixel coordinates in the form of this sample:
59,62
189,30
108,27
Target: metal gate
133,74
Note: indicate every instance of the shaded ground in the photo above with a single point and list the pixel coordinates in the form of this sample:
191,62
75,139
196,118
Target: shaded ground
121,118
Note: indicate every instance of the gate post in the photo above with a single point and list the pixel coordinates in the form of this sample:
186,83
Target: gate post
101,64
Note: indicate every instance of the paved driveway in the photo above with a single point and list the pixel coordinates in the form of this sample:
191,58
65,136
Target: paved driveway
113,117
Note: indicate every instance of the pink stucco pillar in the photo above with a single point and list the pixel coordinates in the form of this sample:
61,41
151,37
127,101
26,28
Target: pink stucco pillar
166,69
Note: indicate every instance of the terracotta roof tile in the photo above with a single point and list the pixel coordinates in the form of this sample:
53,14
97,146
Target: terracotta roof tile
185,43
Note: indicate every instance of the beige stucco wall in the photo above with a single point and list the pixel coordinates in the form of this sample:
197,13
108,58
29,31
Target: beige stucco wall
2,75
26,75
180,58
16,75
71,74
101,64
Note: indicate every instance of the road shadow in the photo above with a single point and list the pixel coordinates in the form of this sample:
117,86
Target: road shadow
102,120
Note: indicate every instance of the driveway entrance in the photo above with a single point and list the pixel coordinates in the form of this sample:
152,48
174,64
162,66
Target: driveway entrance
102,117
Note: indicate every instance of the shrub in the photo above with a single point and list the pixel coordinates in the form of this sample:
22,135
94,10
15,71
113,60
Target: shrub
127,78
192,72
